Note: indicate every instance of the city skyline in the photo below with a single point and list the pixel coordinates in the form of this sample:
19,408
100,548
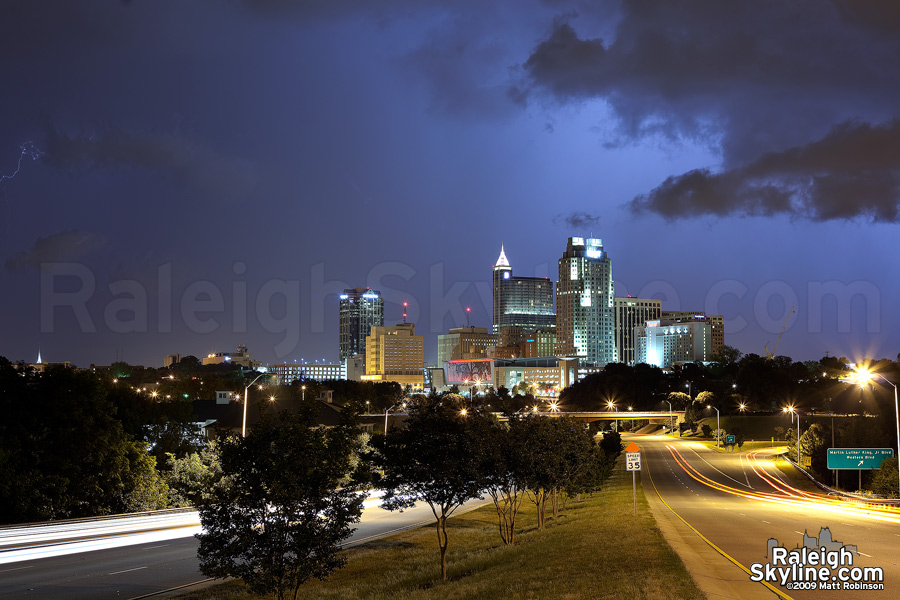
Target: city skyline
167,186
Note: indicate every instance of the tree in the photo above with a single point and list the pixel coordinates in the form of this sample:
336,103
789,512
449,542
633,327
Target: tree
884,482
63,452
503,474
191,477
438,459
719,435
705,399
277,516
813,445
727,355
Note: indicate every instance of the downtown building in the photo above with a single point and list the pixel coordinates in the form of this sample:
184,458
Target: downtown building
287,373
716,326
523,302
395,354
668,342
465,343
631,313
585,314
361,309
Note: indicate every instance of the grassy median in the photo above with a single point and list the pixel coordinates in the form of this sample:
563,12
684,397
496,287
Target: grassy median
596,549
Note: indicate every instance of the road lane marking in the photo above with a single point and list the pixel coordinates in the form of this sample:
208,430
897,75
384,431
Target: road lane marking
17,569
710,543
129,570
714,468
747,477
179,587
160,546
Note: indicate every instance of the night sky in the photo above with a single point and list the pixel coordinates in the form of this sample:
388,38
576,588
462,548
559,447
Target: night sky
184,177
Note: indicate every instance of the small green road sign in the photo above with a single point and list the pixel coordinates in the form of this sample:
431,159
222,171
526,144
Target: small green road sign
857,458
729,439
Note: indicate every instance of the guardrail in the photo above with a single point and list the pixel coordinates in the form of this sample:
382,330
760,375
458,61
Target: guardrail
851,497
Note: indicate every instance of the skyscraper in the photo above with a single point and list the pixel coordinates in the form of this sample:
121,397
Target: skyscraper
525,302
585,318
360,310
631,313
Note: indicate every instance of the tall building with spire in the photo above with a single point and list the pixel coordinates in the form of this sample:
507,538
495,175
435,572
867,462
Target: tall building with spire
360,310
525,302
585,314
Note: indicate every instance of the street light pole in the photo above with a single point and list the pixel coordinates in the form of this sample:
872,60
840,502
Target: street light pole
246,389
671,426
717,424
865,376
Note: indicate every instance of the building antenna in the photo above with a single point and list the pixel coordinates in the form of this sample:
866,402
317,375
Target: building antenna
468,312
405,305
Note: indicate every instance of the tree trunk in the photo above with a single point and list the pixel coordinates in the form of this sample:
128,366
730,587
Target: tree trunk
442,543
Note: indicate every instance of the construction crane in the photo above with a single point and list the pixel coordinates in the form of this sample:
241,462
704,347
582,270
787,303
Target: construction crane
771,355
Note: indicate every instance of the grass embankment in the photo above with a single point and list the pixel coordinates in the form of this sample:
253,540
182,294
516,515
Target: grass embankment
596,549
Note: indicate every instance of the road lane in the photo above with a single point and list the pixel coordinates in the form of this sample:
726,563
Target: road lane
137,570
738,508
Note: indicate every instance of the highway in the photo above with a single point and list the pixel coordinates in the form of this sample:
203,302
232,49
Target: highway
739,501
719,510
137,557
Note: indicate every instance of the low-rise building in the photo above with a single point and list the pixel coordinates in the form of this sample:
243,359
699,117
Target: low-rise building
395,354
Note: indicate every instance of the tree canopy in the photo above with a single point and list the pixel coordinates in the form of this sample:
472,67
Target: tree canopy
278,516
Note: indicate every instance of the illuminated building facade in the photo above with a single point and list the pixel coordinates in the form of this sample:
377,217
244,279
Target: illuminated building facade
395,354
585,315
242,357
525,302
360,310
666,342
544,376
631,313
465,342
716,325
286,373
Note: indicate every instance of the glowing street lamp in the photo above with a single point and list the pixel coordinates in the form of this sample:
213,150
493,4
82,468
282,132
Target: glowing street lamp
864,376
793,410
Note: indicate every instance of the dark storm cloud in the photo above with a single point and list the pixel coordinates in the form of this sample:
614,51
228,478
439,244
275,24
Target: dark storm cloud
851,173
746,79
576,220
189,162
64,246
753,76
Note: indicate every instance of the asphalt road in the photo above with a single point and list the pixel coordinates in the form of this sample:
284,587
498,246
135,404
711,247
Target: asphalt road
738,504
149,569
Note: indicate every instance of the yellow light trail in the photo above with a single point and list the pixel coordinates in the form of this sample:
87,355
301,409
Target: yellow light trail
790,495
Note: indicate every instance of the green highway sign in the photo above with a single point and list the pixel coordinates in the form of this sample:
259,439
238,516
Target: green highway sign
857,458
729,439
